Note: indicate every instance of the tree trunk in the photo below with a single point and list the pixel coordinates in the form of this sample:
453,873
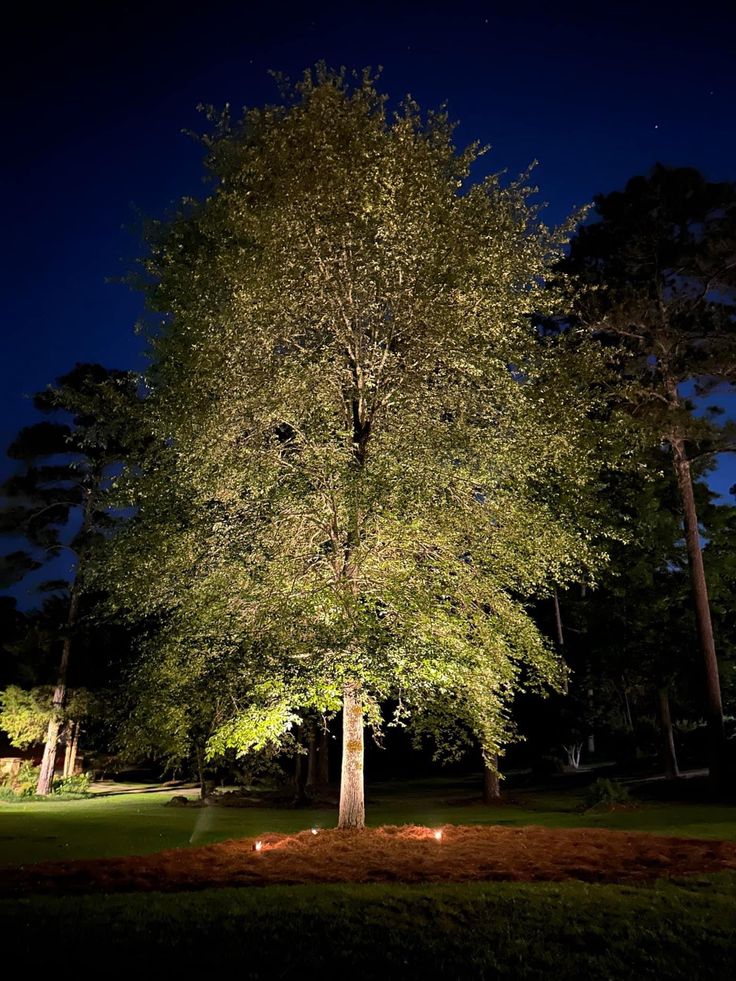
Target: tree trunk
312,772
591,733
323,757
48,763
560,635
200,772
558,621
300,775
74,750
628,718
671,769
491,782
352,791
714,705
70,754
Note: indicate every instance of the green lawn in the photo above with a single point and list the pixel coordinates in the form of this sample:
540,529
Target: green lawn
138,823
555,931
684,929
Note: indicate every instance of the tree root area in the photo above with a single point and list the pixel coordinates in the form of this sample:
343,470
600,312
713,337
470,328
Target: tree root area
453,853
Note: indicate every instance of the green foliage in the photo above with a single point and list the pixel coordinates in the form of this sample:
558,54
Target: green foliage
657,267
23,783
76,785
25,715
364,459
63,464
604,793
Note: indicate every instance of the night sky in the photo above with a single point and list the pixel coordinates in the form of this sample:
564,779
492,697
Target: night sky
94,112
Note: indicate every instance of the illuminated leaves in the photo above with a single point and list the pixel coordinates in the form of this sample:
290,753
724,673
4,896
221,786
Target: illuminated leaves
356,420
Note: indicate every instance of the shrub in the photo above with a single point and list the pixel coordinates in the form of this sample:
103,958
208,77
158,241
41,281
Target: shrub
77,785
23,784
606,793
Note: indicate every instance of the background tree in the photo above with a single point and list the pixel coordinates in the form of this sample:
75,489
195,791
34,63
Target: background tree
53,501
660,260
25,715
629,640
350,394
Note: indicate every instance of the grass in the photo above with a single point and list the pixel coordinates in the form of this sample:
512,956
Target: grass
139,823
673,930
670,929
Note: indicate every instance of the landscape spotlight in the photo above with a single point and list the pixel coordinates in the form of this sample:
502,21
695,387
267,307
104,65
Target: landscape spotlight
438,835
257,846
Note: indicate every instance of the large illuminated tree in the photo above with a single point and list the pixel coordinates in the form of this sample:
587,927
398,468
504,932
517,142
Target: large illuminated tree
367,458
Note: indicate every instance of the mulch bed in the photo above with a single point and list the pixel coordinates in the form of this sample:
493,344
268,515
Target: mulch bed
388,854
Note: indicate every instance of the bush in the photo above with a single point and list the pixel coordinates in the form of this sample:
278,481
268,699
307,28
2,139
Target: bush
76,785
605,793
23,783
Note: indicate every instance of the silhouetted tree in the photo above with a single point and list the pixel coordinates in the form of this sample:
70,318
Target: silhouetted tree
659,261
55,501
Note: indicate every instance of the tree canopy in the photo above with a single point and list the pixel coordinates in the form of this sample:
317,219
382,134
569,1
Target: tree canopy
366,458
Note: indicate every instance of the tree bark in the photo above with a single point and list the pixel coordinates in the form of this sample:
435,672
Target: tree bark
48,763
323,757
558,621
714,705
491,782
200,772
300,775
560,635
671,769
70,754
312,771
591,733
352,791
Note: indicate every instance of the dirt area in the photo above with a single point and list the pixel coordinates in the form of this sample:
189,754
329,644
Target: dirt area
389,854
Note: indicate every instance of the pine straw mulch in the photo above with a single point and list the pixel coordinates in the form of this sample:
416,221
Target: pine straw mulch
389,854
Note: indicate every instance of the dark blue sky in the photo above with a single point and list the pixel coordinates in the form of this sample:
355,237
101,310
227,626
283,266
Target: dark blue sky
94,111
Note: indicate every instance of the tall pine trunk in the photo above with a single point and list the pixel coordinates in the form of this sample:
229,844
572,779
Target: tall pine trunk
352,790
671,770
714,705
48,763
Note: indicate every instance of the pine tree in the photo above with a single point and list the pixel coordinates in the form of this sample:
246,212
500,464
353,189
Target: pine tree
54,500
660,260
